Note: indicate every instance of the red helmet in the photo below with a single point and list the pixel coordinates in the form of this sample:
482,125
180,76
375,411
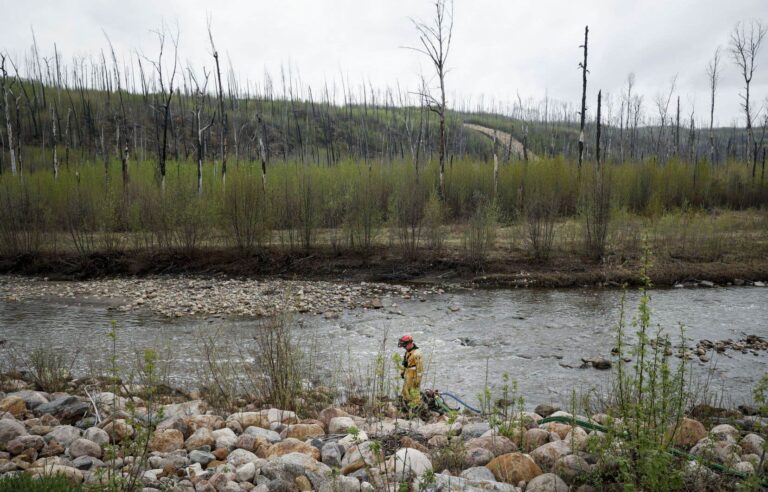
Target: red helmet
405,340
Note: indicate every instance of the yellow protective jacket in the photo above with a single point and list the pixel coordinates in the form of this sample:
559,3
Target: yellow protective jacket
413,369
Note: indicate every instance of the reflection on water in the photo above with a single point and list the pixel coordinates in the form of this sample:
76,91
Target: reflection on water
536,336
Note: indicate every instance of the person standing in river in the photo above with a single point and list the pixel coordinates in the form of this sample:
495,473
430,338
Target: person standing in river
411,372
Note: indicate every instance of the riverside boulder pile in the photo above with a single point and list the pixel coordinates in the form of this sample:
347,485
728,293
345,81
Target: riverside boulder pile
195,449
181,296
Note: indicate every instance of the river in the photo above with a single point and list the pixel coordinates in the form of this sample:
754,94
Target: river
470,338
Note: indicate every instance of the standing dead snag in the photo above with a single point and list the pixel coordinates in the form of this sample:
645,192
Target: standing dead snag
714,75
583,66
597,129
199,103
7,109
162,101
222,114
436,44
745,44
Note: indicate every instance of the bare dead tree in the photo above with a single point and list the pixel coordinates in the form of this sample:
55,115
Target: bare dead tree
583,113
435,38
662,107
222,114
200,129
744,45
121,127
598,128
162,105
713,74
7,110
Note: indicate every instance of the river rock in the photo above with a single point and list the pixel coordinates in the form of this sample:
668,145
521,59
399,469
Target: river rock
477,473
752,444
278,416
409,442
444,482
20,443
513,468
304,431
225,438
577,438
547,455
558,428
166,441
478,457
64,434
725,452
474,429
201,438
84,447
184,409
341,484
176,423
118,430
545,410
331,454
250,419
246,472
72,474
86,463
408,463
210,422
533,438
10,429
725,432
363,452
328,414
688,433
570,467
497,445
240,457
340,425
201,457
439,429
32,399
68,409
291,445
99,436
14,405
548,482
271,436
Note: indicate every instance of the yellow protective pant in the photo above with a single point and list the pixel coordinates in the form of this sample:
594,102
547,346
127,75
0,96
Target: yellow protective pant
412,373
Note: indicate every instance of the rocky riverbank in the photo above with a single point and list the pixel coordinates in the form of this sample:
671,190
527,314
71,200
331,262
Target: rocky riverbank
179,295
89,439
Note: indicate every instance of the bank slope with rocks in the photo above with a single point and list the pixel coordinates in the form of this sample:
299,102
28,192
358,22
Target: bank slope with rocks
195,449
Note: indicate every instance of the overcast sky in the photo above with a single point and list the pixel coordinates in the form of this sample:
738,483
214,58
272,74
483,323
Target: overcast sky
500,47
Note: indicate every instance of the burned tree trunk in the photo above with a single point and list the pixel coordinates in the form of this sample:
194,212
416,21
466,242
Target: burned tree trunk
583,113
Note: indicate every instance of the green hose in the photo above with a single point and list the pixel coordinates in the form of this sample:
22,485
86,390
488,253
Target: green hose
675,452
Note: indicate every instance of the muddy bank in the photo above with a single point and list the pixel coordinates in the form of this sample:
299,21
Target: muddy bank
382,265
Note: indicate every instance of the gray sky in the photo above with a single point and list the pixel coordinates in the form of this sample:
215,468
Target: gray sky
501,47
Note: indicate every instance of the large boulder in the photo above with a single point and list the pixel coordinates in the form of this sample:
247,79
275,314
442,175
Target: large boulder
725,432
497,445
21,443
239,457
439,429
278,416
225,438
513,468
444,482
688,433
71,473
250,419
119,430
533,438
166,441
408,463
201,438
331,454
99,436
752,444
570,467
478,456
270,435
725,452
68,409
14,405
84,447
577,438
558,428
10,429
304,431
328,414
32,399
340,425
185,409
341,484
548,482
364,453
477,473
475,429
63,434
291,445
547,455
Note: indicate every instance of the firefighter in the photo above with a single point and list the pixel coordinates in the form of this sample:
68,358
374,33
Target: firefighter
411,372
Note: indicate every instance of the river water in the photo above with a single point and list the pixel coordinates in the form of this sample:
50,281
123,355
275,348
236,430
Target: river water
469,338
